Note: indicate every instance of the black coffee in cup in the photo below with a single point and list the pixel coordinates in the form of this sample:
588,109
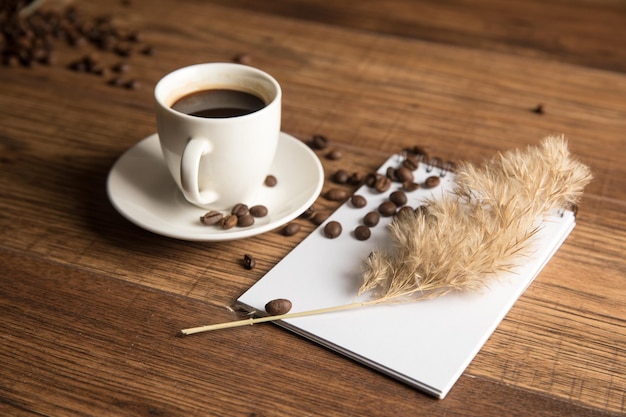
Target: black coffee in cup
218,103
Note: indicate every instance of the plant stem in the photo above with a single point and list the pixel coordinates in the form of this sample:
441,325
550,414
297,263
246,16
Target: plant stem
251,321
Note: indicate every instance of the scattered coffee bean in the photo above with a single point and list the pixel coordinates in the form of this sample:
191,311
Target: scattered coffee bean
356,179
416,152
405,211
132,85
120,67
404,174
243,59
398,198
431,182
148,50
538,109
387,208
211,218
336,194
228,222
245,220
278,307
335,155
319,218
258,210
362,232
409,186
382,184
291,229
392,174
358,201
271,181
340,176
421,210
319,142
371,219
410,163
248,261
240,209
332,229
370,179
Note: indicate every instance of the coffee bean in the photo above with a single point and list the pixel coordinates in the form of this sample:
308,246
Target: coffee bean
243,59
409,186
404,174
319,218
240,209
211,218
319,142
371,219
278,307
334,155
382,184
258,210
398,198
356,179
410,163
387,208
291,229
421,210
362,232
416,152
308,213
248,261
121,67
332,229
336,194
370,179
392,174
432,182
405,211
358,201
148,50
245,220
271,181
228,221
132,85
340,176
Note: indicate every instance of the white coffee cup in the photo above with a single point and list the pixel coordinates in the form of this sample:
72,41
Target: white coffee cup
218,162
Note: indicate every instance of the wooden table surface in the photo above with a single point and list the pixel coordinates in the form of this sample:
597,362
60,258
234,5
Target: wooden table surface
91,304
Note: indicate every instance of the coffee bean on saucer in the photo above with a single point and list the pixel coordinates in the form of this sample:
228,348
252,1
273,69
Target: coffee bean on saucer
291,229
371,219
319,142
258,210
387,208
245,220
240,209
358,201
404,174
248,261
398,198
362,232
336,194
271,181
211,218
319,218
409,186
228,221
431,182
332,229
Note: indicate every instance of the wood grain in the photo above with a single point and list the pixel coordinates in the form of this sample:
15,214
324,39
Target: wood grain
91,303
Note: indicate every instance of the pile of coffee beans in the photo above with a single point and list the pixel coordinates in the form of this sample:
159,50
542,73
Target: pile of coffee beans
29,39
240,215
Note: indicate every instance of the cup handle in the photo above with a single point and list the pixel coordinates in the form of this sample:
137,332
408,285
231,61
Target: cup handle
189,171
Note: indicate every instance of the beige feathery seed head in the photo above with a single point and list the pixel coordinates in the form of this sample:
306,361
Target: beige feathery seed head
463,239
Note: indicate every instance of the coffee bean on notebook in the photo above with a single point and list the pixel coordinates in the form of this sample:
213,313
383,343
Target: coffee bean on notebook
398,198
362,232
410,163
278,306
371,219
212,217
404,174
258,210
382,184
332,229
405,211
431,182
387,208
409,186
358,201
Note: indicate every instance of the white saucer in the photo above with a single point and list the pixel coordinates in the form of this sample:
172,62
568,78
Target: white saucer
141,189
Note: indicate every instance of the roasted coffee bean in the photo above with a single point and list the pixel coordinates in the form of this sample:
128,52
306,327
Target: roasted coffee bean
243,59
278,307
410,163
271,181
416,152
336,194
148,50
432,182
319,142
332,229
240,209
356,178
405,211
291,229
228,222
212,217
121,67
319,218
132,85
358,201
335,155
362,232
409,186
391,174
258,210
421,210
371,219
245,220
382,184
340,176
370,179
398,198
248,261
387,208
404,174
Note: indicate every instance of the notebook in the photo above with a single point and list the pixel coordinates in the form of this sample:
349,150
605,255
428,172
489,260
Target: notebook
425,344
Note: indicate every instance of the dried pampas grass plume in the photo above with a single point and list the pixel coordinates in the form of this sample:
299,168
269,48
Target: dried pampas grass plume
466,237
462,239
